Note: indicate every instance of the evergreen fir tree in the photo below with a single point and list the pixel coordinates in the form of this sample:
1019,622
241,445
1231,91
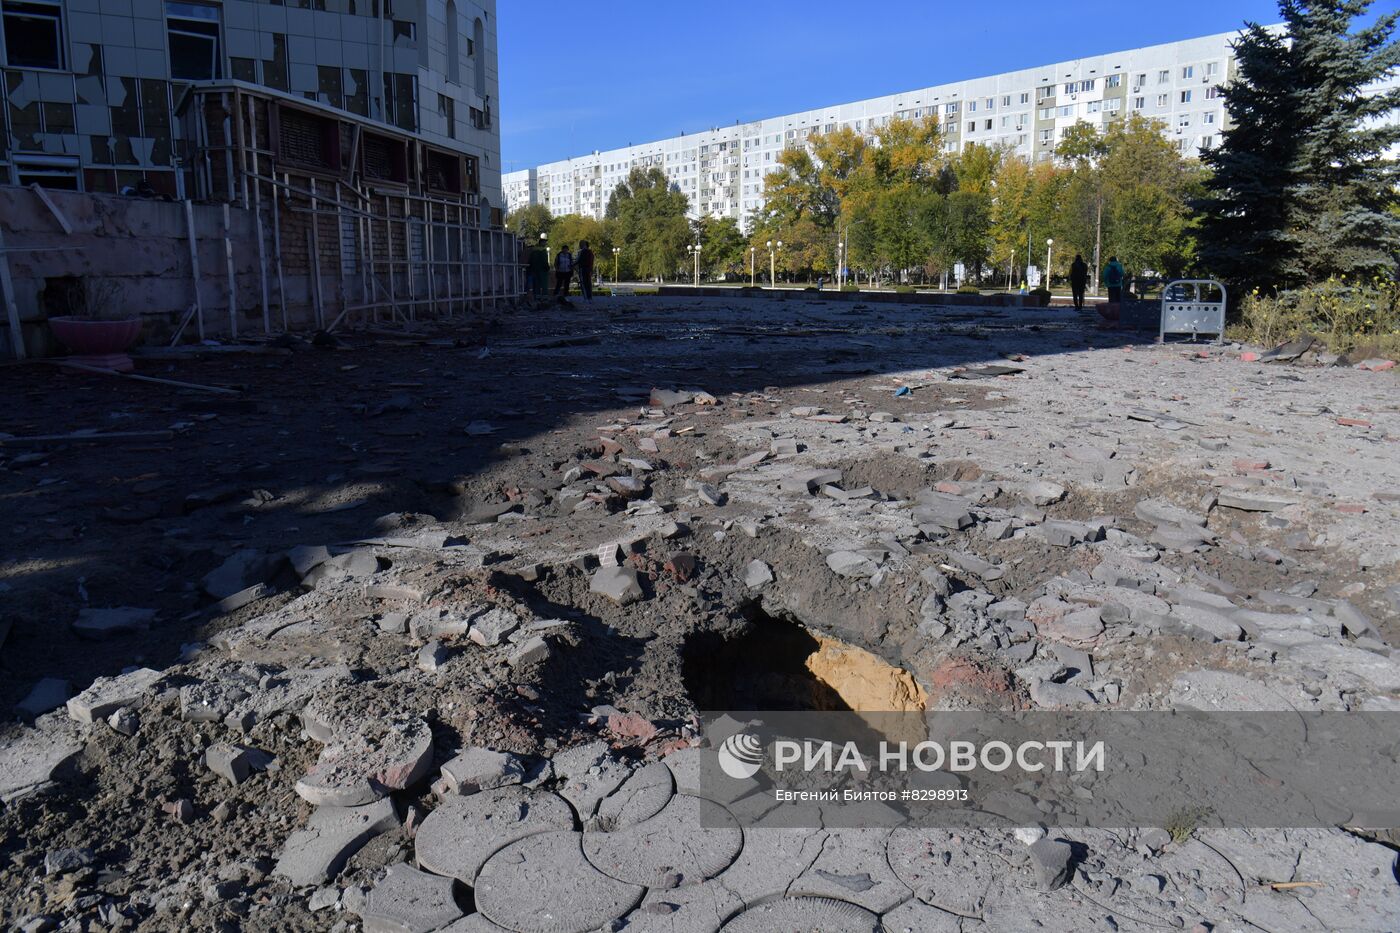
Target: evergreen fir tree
1303,186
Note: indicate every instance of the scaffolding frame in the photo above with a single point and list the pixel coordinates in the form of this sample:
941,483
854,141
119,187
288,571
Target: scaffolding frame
366,252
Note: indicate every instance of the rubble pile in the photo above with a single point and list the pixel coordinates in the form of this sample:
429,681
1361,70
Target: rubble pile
439,670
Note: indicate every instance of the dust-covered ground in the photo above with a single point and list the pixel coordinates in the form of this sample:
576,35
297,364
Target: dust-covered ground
413,632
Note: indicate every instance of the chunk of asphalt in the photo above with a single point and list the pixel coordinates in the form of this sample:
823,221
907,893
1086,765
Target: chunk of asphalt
544,883
316,854
459,835
690,840
805,913
109,694
360,767
409,901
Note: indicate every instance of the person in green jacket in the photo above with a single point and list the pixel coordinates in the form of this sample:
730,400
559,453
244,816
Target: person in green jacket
539,271
1113,275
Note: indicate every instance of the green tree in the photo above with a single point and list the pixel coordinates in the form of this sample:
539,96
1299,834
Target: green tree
724,248
1147,188
529,222
648,219
572,229
1301,186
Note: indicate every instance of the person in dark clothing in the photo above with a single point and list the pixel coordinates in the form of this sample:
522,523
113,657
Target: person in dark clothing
539,271
584,263
563,272
1113,275
1078,280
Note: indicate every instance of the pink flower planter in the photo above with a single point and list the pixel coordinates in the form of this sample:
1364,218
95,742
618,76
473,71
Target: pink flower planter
101,344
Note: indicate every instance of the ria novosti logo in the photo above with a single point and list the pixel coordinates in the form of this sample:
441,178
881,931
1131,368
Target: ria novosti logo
741,755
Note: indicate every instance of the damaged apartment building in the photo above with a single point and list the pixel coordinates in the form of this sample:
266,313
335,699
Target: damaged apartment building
362,134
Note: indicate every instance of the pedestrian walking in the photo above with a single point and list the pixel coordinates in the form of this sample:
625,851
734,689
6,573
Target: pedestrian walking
539,271
563,272
1078,280
584,263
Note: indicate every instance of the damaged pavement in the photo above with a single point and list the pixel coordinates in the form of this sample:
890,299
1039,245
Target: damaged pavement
409,633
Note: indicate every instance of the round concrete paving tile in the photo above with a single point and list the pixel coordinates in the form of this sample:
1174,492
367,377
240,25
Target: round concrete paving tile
805,915
953,876
676,847
463,832
641,796
543,884
700,908
917,917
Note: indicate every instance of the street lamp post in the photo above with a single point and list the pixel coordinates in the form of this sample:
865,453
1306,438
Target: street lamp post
1049,248
773,262
544,238
695,251
617,250
753,250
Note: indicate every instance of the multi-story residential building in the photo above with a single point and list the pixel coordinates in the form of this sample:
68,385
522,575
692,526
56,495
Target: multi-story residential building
1026,111
93,89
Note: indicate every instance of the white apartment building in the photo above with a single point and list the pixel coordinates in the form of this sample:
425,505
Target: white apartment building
722,170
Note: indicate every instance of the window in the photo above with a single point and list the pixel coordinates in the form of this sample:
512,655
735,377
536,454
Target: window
1047,90
1112,105
33,35
951,108
1093,106
193,33
988,126
1186,97
383,158
1163,76
1213,92
1046,136
1140,80
447,111
972,106
1067,110
454,50
1208,117
1212,69
307,140
1183,121
1112,81
1161,100
479,55
990,103
1025,97
1188,72
1006,100
972,126
443,171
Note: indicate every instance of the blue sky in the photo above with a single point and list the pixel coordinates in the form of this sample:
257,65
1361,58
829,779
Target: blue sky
577,76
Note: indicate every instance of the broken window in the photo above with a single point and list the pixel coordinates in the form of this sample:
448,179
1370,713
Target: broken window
479,55
307,140
454,50
193,33
58,174
447,110
328,84
33,34
401,100
444,171
357,91
275,68
383,158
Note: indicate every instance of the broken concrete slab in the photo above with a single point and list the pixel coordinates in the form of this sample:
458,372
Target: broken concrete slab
622,585
643,795
48,694
1252,503
588,774
433,657
1043,493
316,854
757,574
101,624
532,649
1052,861
30,757
805,913
461,833
492,626
809,481
108,694
368,761
406,900
241,570
533,883
852,564
476,769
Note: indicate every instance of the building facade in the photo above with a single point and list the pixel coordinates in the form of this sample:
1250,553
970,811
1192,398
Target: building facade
1026,111
94,92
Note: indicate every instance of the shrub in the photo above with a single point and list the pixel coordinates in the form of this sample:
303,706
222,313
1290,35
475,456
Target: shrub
1341,313
904,290
969,290
850,288
1041,296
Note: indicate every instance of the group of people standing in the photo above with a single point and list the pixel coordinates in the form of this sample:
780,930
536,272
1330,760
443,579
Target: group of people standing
1113,275
566,265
